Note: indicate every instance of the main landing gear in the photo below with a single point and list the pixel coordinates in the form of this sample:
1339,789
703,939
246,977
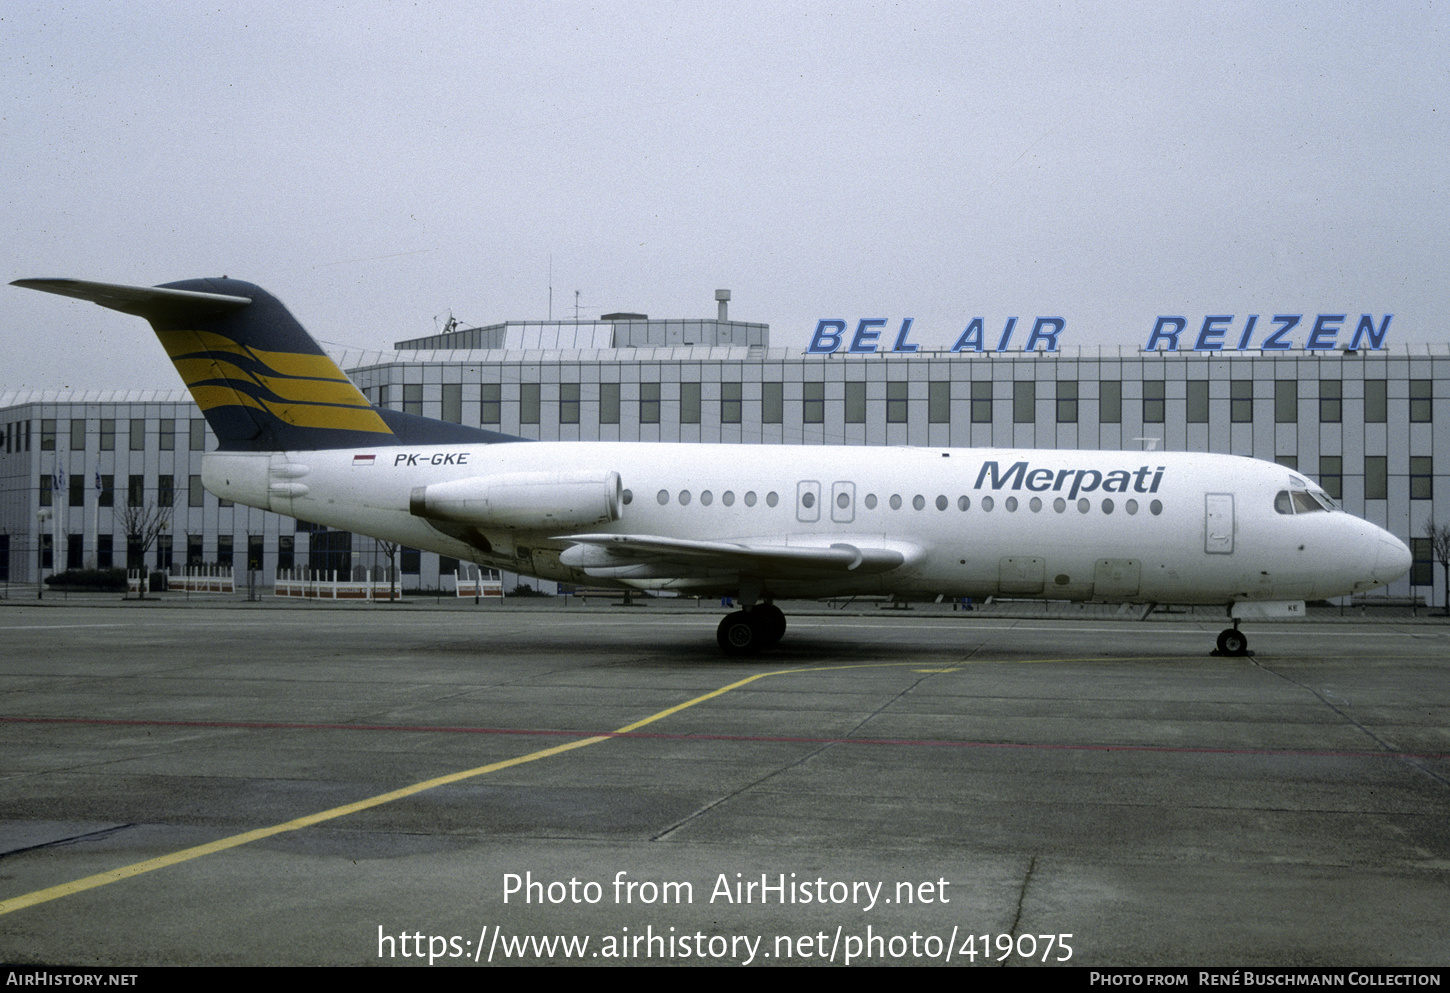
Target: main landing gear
1232,641
748,631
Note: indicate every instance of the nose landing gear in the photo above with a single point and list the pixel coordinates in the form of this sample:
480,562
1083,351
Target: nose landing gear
1232,641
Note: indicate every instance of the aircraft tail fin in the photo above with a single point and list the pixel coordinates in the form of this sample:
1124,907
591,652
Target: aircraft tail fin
259,378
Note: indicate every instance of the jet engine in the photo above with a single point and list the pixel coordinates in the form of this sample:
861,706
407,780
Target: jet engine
532,501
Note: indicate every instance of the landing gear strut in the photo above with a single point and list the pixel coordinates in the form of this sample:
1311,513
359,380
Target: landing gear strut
1232,641
747,632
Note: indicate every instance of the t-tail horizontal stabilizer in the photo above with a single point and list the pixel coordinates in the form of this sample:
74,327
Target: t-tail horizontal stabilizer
260,379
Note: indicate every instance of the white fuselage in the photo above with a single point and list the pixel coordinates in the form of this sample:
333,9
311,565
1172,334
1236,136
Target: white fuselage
1075,525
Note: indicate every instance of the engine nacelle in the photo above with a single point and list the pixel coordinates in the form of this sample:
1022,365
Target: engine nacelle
533,501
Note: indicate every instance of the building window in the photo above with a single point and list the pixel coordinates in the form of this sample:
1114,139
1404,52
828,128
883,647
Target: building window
1421,402
529,403
730,400
413,399
1331,475
939,402
981,403
105,551
163,552
608,403
1286,401
1376,477
1331,401
1241,401
568,403
224,550
77,434
855,403
195,493
194,554
286,551
490,408
165,495
1376,401
649,403
1287,461
107,496
772,403
1153,402
689,403
198,434
1422,567
166,435
78,489
1024,402
1196,407
47,493
138,434
108,434
410,561
1067,403
254,552
813,396
452,404
47,434
1422,477
896,403
136,491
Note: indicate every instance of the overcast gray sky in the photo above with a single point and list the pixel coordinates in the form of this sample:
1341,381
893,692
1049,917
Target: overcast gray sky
377,164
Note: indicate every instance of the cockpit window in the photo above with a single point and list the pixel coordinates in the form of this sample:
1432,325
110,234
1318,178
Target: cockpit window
1303,502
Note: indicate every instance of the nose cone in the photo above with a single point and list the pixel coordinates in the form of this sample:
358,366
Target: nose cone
1392,559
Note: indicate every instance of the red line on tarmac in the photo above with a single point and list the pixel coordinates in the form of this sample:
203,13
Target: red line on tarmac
785,739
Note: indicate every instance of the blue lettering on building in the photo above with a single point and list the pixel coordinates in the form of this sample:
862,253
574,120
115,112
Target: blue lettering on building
1214,333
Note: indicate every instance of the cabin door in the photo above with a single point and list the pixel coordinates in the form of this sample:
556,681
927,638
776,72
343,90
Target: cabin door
1218,523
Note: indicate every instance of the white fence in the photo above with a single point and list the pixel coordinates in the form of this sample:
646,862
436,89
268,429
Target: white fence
478,584
187,579
320,584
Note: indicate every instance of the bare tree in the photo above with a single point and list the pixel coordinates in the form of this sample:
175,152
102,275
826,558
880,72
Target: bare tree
390,549
1439,535
142,523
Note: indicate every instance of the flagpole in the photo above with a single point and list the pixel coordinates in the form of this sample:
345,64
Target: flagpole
95,558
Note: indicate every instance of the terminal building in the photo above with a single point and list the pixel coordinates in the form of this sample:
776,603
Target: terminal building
79,469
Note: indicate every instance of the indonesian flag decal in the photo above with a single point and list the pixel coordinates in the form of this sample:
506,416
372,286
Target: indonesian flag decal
359,460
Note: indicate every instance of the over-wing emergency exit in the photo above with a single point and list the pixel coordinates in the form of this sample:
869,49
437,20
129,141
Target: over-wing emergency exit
754,522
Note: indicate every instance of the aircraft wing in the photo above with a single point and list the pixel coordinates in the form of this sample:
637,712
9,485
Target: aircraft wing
646,556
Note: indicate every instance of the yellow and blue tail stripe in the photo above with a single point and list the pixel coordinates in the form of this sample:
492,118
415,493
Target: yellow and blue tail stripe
261,381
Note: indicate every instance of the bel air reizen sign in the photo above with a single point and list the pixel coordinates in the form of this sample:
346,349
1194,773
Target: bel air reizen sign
1217,333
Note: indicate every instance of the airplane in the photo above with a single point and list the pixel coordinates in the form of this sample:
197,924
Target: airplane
757,523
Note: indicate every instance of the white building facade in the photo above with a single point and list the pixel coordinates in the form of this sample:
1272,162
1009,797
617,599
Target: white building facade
1372,426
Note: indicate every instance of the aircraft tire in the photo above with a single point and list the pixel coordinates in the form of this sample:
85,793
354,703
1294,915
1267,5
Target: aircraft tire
1232,641
737,635
770,619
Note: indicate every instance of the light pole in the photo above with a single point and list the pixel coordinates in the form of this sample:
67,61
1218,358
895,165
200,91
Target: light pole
41,516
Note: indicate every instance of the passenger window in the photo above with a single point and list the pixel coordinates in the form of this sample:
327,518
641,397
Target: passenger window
771,499
871,501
